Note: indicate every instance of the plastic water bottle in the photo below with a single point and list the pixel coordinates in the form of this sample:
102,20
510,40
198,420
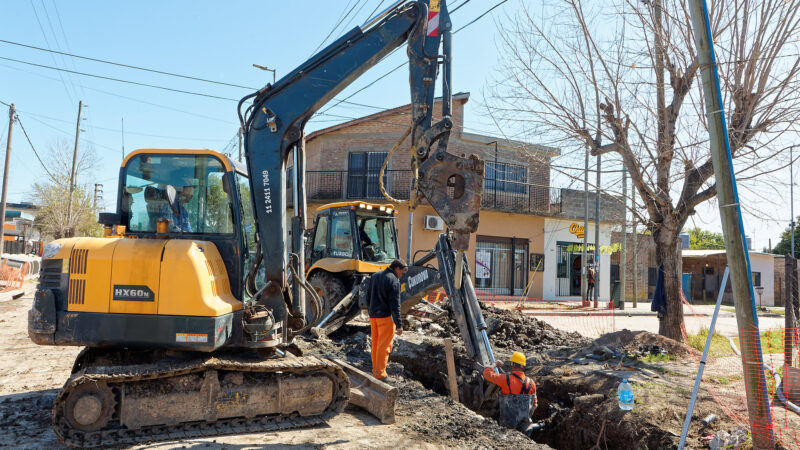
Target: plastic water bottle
625,395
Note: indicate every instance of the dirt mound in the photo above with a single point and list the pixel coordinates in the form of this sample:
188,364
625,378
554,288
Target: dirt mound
513,331
428,415
631,341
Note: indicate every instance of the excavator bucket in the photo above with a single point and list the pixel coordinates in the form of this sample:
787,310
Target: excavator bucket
367,392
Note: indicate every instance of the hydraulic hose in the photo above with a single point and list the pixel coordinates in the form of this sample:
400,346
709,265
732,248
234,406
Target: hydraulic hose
312,294
383,168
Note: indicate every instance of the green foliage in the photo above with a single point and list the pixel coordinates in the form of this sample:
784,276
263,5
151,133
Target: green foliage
720,346
784,245
56,219
656,358
771,341
62,214
700,239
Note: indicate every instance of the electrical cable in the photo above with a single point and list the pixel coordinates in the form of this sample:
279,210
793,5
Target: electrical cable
406,62
341,19
479,17
119,80
128,66
52,177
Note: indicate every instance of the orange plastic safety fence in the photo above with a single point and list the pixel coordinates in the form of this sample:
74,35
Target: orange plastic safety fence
724,378
12,277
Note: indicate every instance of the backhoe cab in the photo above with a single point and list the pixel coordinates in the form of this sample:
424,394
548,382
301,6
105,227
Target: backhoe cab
350,240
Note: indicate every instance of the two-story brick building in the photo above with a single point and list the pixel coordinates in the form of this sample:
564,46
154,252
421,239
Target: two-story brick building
523,239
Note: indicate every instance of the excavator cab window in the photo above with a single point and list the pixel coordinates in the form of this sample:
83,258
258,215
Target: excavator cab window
192,192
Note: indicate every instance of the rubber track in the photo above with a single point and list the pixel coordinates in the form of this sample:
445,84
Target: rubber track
165,369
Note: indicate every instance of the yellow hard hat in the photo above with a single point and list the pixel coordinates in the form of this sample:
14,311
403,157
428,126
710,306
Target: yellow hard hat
518,358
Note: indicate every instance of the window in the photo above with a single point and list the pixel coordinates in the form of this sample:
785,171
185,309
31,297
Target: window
363,169
192,192
341,235
320,238
502,177
501,265
377,238
248,221
756,279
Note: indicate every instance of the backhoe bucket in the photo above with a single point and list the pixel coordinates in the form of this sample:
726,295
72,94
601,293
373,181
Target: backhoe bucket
367,392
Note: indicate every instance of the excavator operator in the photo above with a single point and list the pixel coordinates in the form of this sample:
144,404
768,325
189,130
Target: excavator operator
518,393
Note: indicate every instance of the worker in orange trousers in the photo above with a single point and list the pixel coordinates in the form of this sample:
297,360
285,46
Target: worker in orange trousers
384,314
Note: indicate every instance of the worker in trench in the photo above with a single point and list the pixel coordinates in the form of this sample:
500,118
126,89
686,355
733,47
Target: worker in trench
384,314
518,393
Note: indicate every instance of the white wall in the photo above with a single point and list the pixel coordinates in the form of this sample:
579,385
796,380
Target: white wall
556,230
766,265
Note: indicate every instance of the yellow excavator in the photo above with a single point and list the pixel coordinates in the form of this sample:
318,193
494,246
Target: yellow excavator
188,306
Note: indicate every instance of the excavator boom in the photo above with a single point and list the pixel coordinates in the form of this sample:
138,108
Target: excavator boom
274,123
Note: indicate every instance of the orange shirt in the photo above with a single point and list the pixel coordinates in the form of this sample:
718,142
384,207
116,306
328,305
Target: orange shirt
509,384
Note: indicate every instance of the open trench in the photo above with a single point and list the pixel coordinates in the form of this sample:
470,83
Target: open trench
574,410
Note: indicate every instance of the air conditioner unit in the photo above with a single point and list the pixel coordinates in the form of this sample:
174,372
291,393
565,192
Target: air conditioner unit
434,223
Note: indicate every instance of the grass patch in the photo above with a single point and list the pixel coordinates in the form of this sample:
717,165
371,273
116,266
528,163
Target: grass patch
771,341
720,346
656,358
779,311
725,380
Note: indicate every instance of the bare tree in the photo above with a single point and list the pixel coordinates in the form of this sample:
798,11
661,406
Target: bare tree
54,197
621,78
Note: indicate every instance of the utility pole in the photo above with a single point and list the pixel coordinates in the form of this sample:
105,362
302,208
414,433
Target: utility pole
597,237
758,407
791,194
98,192
241,143
70,231
585,251
624,253
11,113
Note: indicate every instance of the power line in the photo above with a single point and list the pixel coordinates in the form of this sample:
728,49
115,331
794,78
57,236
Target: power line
120,80
161,72
113,94
372,14
116,130
47,42
479,17
52,177
341,18
459,6
406,62
354,15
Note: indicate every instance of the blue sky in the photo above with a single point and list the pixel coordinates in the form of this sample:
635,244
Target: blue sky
205,39
213,40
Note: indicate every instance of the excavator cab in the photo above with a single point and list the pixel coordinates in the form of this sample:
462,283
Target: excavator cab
200,194
350,240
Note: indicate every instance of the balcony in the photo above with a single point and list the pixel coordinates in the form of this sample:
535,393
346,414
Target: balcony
511,196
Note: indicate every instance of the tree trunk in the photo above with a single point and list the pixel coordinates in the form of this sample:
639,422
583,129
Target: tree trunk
667,255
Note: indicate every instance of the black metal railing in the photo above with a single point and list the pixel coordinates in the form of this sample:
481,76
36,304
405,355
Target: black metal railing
512,196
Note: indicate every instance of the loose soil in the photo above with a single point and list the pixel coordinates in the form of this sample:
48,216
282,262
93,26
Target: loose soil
576,390
32,375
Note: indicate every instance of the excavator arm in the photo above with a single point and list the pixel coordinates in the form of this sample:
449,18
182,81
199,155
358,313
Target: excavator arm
420,280
273,125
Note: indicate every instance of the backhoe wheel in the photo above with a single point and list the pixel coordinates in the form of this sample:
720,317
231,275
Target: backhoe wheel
330,290
90,406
